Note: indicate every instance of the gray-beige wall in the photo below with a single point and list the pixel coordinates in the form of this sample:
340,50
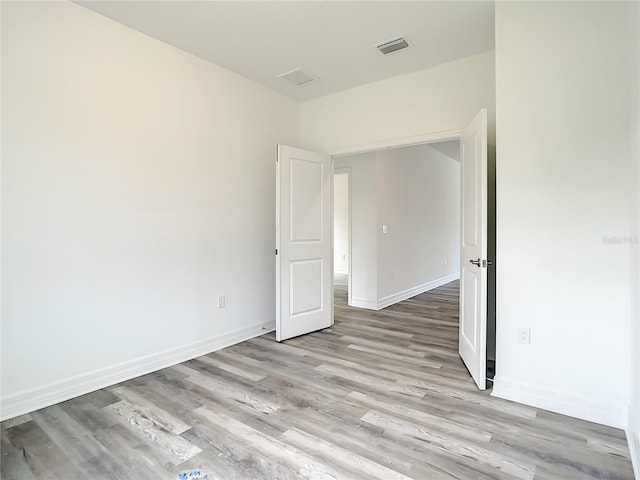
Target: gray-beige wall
137,186
565,90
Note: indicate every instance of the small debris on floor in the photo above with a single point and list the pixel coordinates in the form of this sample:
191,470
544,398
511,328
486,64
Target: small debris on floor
192,474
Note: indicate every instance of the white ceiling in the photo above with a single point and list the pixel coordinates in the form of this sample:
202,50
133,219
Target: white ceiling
333,40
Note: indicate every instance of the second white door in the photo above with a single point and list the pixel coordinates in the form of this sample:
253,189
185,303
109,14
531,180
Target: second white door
473,248
304,261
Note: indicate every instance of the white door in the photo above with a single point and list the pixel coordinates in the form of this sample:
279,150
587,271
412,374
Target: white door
304,261
473,248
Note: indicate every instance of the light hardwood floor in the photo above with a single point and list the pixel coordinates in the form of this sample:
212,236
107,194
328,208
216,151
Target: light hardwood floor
379,395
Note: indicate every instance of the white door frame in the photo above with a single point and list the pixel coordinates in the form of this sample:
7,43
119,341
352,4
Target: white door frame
422,139
398,142
344,171
383,145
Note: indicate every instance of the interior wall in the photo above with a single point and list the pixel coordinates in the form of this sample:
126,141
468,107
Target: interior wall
137,186
563,205
415,192
418,193
633,428
341,223
444,98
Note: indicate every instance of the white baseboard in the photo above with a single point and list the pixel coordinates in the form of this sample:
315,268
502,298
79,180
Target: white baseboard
559,401
380,303
370,304
33,399
634,450
412,292
633,437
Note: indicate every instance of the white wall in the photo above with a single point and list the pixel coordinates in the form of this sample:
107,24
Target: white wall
434,102
341,223
563,101
440,99
414,191
419,201
633,428
137,186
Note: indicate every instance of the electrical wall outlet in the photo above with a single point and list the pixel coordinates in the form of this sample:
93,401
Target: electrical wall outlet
221,301
524,335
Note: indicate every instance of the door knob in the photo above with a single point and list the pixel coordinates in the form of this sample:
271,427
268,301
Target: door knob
475,262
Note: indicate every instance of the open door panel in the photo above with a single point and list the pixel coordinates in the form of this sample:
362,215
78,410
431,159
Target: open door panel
304,262
473,248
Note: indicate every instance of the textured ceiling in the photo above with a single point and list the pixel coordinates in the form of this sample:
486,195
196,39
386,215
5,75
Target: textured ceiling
335,41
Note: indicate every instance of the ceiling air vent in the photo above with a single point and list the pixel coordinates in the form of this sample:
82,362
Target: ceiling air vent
393,45
298,76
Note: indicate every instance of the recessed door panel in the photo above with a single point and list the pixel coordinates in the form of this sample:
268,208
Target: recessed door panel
306,286
469,172
306,203
469,283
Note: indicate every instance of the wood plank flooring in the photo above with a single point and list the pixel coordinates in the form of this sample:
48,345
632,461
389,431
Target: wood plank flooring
380,395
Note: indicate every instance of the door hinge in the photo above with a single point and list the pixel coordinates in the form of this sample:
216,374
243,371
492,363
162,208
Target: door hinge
276,251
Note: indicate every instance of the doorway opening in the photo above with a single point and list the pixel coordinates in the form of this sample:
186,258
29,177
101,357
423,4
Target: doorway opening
414,225
304,238
396,222
342,232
